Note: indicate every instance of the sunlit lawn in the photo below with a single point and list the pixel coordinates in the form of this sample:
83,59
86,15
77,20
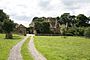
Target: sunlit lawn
7,44
63,48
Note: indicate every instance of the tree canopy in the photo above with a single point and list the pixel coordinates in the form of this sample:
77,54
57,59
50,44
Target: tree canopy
6,24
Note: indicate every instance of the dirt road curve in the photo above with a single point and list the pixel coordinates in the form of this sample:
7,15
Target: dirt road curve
36,55
15,51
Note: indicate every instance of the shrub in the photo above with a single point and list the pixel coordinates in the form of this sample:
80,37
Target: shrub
70,32
80,31
87,32
75,31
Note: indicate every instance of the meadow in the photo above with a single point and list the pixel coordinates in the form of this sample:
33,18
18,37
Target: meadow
7,44
63,48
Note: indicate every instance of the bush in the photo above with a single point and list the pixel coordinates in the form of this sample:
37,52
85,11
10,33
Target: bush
80,31
87,32
75,31
70,32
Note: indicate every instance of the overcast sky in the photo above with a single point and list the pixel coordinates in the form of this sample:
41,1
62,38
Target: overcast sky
22,11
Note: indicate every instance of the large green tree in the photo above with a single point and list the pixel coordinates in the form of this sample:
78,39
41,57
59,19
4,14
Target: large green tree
3,16
65,19
8,26
82,20
72,20
42,27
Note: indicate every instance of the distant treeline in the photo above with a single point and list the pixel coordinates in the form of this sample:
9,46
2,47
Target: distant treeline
65,24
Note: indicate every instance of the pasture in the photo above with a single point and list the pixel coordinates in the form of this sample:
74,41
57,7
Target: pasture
63,48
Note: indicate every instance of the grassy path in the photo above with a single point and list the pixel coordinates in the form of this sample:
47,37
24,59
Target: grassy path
15,53
7,44
25,52
60,48
36,55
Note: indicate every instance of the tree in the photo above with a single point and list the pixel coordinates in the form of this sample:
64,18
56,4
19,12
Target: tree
46,27
37,19
8,26
72,20
63,29
3,16
38,27
58,18
42,27
1,30
82,20
65,19
87,32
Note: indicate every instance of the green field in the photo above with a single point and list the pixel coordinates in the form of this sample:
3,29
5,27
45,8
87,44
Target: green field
63,48
7,44
25,52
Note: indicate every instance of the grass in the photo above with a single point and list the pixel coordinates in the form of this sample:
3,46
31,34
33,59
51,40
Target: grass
25,52
7,44
63,48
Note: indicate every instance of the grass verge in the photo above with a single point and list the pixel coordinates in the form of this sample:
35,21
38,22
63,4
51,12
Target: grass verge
25,52
63,48
7,44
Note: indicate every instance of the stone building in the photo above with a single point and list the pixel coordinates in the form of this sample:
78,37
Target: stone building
20,29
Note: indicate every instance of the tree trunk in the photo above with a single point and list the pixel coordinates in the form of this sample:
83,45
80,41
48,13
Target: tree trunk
66,26
9,36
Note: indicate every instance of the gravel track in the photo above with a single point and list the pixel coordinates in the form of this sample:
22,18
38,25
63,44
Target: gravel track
15,51
36,55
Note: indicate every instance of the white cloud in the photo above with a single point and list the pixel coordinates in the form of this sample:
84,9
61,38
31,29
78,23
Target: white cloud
22,11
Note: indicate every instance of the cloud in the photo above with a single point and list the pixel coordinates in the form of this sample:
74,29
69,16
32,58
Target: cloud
44,3
22,11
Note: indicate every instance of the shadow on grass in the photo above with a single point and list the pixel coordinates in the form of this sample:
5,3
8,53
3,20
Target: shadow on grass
14,38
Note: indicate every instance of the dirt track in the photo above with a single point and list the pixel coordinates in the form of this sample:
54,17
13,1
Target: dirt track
15,51
36,55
